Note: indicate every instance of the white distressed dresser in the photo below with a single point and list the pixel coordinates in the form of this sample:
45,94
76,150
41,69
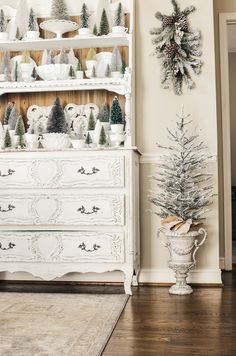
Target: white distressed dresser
70,211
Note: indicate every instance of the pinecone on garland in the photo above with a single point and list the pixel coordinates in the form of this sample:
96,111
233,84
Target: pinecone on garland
182,22
171,50
168,21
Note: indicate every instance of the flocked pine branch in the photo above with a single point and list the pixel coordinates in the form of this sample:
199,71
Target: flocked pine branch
177,48
184,186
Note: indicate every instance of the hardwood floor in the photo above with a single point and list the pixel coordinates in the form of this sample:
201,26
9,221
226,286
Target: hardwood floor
156,323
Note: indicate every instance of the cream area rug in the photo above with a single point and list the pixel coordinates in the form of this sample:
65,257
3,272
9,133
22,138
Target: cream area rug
57,324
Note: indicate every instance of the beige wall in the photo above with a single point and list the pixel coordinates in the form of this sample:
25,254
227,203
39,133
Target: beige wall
155,109
232,82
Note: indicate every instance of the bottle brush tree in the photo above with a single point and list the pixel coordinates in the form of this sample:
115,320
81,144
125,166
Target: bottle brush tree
108,71
95,30
13,118
91,55
6,66
16,72
116,113
91,121
184,189
104,113
116,60
20,132
7,139
94,72
34,74
84,16
25,57
119,19
88,139
72,73
59,10
3,22
104,28
63,58
102,137
56,120
7,113
79,66
33,24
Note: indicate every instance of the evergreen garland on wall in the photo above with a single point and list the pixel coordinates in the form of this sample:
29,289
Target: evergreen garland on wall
177,47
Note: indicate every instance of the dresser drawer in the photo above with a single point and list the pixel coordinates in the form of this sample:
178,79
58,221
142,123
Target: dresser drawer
62,247
102,171
72,209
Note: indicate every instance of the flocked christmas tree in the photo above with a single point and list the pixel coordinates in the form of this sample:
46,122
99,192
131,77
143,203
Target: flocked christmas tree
34,74
49,58
56,120
116,113
63,57
108,71
88,139
119,19
104,28
33,24
184,189
116,60
95,30
84,17
7,139
93,72
91,121
177,47
79,65
103,137
16,72
7,66
3,22
20,132
7,113
59,10
13,118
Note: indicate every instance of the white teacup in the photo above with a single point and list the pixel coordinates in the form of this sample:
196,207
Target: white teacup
119,30
32,141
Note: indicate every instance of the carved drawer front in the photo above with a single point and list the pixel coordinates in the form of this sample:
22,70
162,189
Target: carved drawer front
104,171
15,247
76,209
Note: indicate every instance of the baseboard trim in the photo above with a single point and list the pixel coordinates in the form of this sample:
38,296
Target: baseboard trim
222,263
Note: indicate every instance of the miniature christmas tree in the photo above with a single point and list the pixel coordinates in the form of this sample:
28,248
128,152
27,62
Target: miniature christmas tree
13,118
6,63
16,72
84,17
20,131
116,113
50,58
34,74
108,71
63,58
119,19
104,24
88,139
116,60
18,34
104,113
177,48
56,120
91,55
184,190
93,72
3,22
59,10
72,73
7,140
102,137
91,121
7,113
95,30
33,24
25,57
123,68
79,66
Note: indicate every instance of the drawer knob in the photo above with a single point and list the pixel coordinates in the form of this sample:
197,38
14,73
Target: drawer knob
83,171
84,248
9,173
10,208
10,246
82,210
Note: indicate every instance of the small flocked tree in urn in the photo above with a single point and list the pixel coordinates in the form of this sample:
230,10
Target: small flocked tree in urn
84,20
183,196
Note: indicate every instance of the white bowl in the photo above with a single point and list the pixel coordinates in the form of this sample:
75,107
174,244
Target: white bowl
53,71
59,27
55,141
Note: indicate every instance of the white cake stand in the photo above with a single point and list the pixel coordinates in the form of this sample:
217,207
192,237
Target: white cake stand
59,27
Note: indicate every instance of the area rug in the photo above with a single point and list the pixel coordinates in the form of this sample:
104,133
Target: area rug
57,324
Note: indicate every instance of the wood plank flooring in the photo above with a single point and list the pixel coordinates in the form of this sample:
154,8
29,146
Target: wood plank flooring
157,324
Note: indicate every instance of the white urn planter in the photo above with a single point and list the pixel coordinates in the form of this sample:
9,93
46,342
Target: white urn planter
116,75
117,128
79,74
84,31
32,141
32,35
182,249
26,71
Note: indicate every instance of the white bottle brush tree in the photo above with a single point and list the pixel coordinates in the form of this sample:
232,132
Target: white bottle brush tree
3,22
119,18
177,47
33,24
59,10
184,189
116,61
